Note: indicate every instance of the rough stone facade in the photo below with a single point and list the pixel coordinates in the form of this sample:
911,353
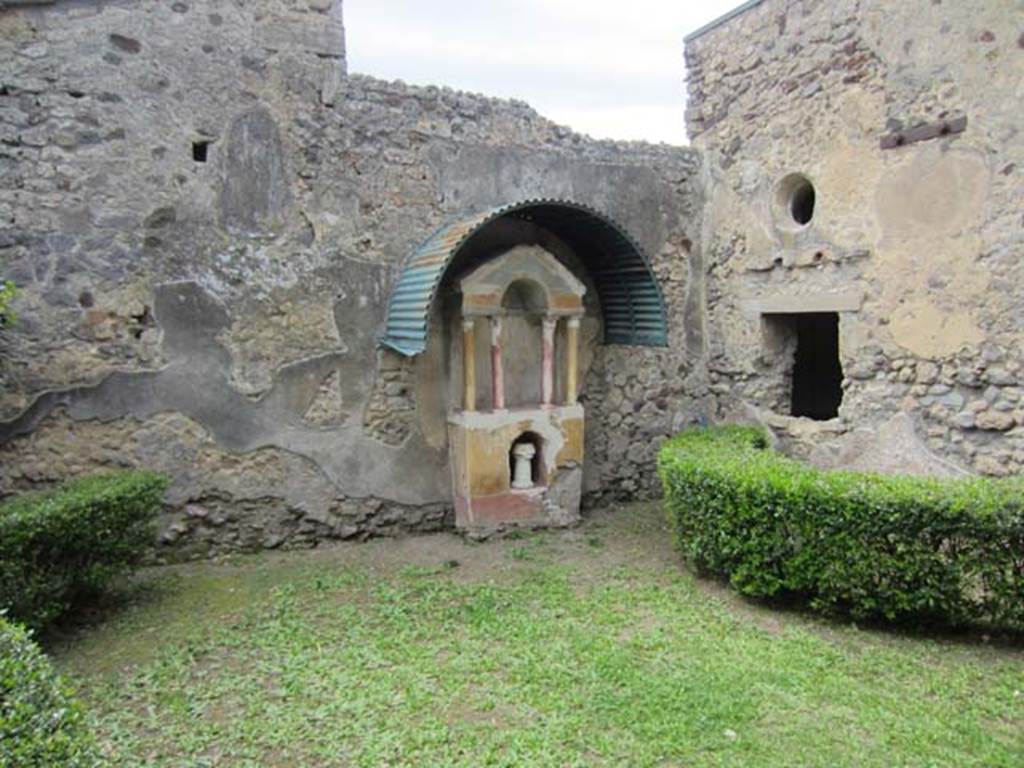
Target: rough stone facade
204,214
917,234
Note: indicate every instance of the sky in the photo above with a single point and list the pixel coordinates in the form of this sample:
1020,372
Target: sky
608,69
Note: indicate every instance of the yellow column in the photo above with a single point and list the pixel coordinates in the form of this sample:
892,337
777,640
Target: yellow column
572,359
468,364
497,368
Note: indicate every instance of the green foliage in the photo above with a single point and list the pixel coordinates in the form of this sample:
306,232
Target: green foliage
872,546
7,294
41,725
61,546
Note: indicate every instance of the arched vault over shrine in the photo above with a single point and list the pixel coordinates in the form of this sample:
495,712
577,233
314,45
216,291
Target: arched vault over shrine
496,282
632,308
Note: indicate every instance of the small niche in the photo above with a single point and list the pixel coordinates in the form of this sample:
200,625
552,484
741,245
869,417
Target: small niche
200,151
525,448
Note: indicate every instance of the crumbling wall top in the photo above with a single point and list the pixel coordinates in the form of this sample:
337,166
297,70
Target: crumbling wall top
725,17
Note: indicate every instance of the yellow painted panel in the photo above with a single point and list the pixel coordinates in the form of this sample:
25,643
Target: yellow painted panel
566,302
457,453
572,429
487,460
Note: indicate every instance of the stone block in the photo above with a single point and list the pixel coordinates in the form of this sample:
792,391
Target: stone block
322,36
994,420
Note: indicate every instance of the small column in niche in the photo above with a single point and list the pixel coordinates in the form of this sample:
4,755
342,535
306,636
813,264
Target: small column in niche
497,369
572,359
547,382
469,364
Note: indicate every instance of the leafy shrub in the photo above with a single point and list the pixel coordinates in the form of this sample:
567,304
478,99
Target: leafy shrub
41,725
61,546
7,294
872,546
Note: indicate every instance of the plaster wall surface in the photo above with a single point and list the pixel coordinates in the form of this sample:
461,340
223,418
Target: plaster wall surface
919,247
204,214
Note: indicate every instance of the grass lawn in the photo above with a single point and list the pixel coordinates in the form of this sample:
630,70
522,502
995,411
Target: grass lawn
588,647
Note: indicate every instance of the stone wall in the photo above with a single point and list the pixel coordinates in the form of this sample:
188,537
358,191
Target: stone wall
204,215
919,245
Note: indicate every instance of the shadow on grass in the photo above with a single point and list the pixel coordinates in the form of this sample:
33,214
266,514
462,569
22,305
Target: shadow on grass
797,607
125,595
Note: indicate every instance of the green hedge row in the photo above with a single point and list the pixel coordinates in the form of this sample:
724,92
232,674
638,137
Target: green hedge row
871,546
41,724
60,546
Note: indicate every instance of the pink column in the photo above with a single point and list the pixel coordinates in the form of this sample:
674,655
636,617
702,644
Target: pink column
547,369
497,372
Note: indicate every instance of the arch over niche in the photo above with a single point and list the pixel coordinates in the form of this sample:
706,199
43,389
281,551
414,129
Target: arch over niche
524,295
630,297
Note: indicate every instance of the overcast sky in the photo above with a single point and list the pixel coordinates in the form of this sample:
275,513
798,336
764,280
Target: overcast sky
613,69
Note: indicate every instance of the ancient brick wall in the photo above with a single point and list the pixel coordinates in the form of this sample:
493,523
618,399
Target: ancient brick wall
204,214
917,234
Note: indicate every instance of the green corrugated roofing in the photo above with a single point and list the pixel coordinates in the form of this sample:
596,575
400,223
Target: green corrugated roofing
630,297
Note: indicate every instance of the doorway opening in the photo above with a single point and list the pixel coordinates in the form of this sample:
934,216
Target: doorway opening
816,373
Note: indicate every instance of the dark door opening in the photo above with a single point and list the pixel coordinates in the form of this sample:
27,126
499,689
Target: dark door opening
817,372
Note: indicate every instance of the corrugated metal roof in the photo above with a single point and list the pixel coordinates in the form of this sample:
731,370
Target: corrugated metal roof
630,297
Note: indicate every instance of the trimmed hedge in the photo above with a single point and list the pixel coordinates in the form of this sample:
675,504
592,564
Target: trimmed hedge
41,725
61,546
871,546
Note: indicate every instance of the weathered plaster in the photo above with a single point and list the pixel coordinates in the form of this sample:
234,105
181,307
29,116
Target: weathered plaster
929,234
195,383
244,294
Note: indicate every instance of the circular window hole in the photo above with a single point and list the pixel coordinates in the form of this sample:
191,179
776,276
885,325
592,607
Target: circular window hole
801,204
795,198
